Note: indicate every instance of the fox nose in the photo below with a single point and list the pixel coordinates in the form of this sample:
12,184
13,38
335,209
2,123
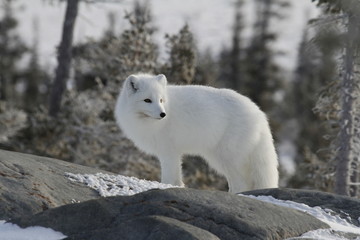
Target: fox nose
162,115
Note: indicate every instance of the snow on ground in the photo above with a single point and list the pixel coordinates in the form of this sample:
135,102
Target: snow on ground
324,234
9,231
116,185
327,216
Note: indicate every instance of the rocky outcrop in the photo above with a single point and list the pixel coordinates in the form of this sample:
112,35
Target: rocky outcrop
187,211
345,207
30,184
34,191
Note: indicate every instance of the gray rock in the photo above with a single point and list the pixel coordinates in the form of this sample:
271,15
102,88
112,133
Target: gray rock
346,207
149,227
175,212
30,184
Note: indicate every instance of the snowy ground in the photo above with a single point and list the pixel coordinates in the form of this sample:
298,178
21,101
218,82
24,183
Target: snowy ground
117,185
9,231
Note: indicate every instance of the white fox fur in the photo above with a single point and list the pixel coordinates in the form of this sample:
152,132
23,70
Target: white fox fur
224,127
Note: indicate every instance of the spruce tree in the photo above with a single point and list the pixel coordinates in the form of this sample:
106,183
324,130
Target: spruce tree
236,52
231,59
261,73
111,59
35,77
346,146
181,65
316,67
11,50
207,69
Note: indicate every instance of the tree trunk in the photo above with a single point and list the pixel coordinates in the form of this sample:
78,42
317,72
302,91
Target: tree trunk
346,154
64,57
354,188
2,87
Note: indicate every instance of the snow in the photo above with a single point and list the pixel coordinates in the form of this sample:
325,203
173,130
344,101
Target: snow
325,215
327,234
116,185
9,231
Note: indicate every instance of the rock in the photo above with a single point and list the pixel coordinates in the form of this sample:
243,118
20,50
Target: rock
30,184
184,213
35,191
149,227
346,207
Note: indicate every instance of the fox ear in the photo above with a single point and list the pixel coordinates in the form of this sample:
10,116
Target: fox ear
162,79
132,83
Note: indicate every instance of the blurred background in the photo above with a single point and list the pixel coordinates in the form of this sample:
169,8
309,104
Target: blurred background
62,64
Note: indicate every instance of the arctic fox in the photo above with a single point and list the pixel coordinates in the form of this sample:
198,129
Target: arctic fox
224,127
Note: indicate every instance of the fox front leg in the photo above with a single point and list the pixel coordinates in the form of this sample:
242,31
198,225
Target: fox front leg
171,170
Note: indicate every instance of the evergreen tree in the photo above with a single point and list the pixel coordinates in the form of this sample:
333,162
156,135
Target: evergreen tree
182,61
137,43
316,67
231,60
110,32
111,59
224,62
236,51
346,99
260,79
35,78
11,50
207,69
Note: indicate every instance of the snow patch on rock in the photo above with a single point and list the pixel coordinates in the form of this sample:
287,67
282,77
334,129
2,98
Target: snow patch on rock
116,185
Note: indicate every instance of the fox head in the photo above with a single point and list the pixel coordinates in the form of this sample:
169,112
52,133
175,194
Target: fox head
146,95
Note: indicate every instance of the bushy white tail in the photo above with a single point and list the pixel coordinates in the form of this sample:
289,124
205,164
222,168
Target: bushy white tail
264,164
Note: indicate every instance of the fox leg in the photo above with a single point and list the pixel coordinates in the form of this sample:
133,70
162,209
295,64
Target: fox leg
171,170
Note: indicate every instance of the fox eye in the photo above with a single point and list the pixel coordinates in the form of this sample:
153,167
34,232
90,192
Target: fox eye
161,101
147,100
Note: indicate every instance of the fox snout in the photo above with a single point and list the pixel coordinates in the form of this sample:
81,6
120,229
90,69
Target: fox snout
162,115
